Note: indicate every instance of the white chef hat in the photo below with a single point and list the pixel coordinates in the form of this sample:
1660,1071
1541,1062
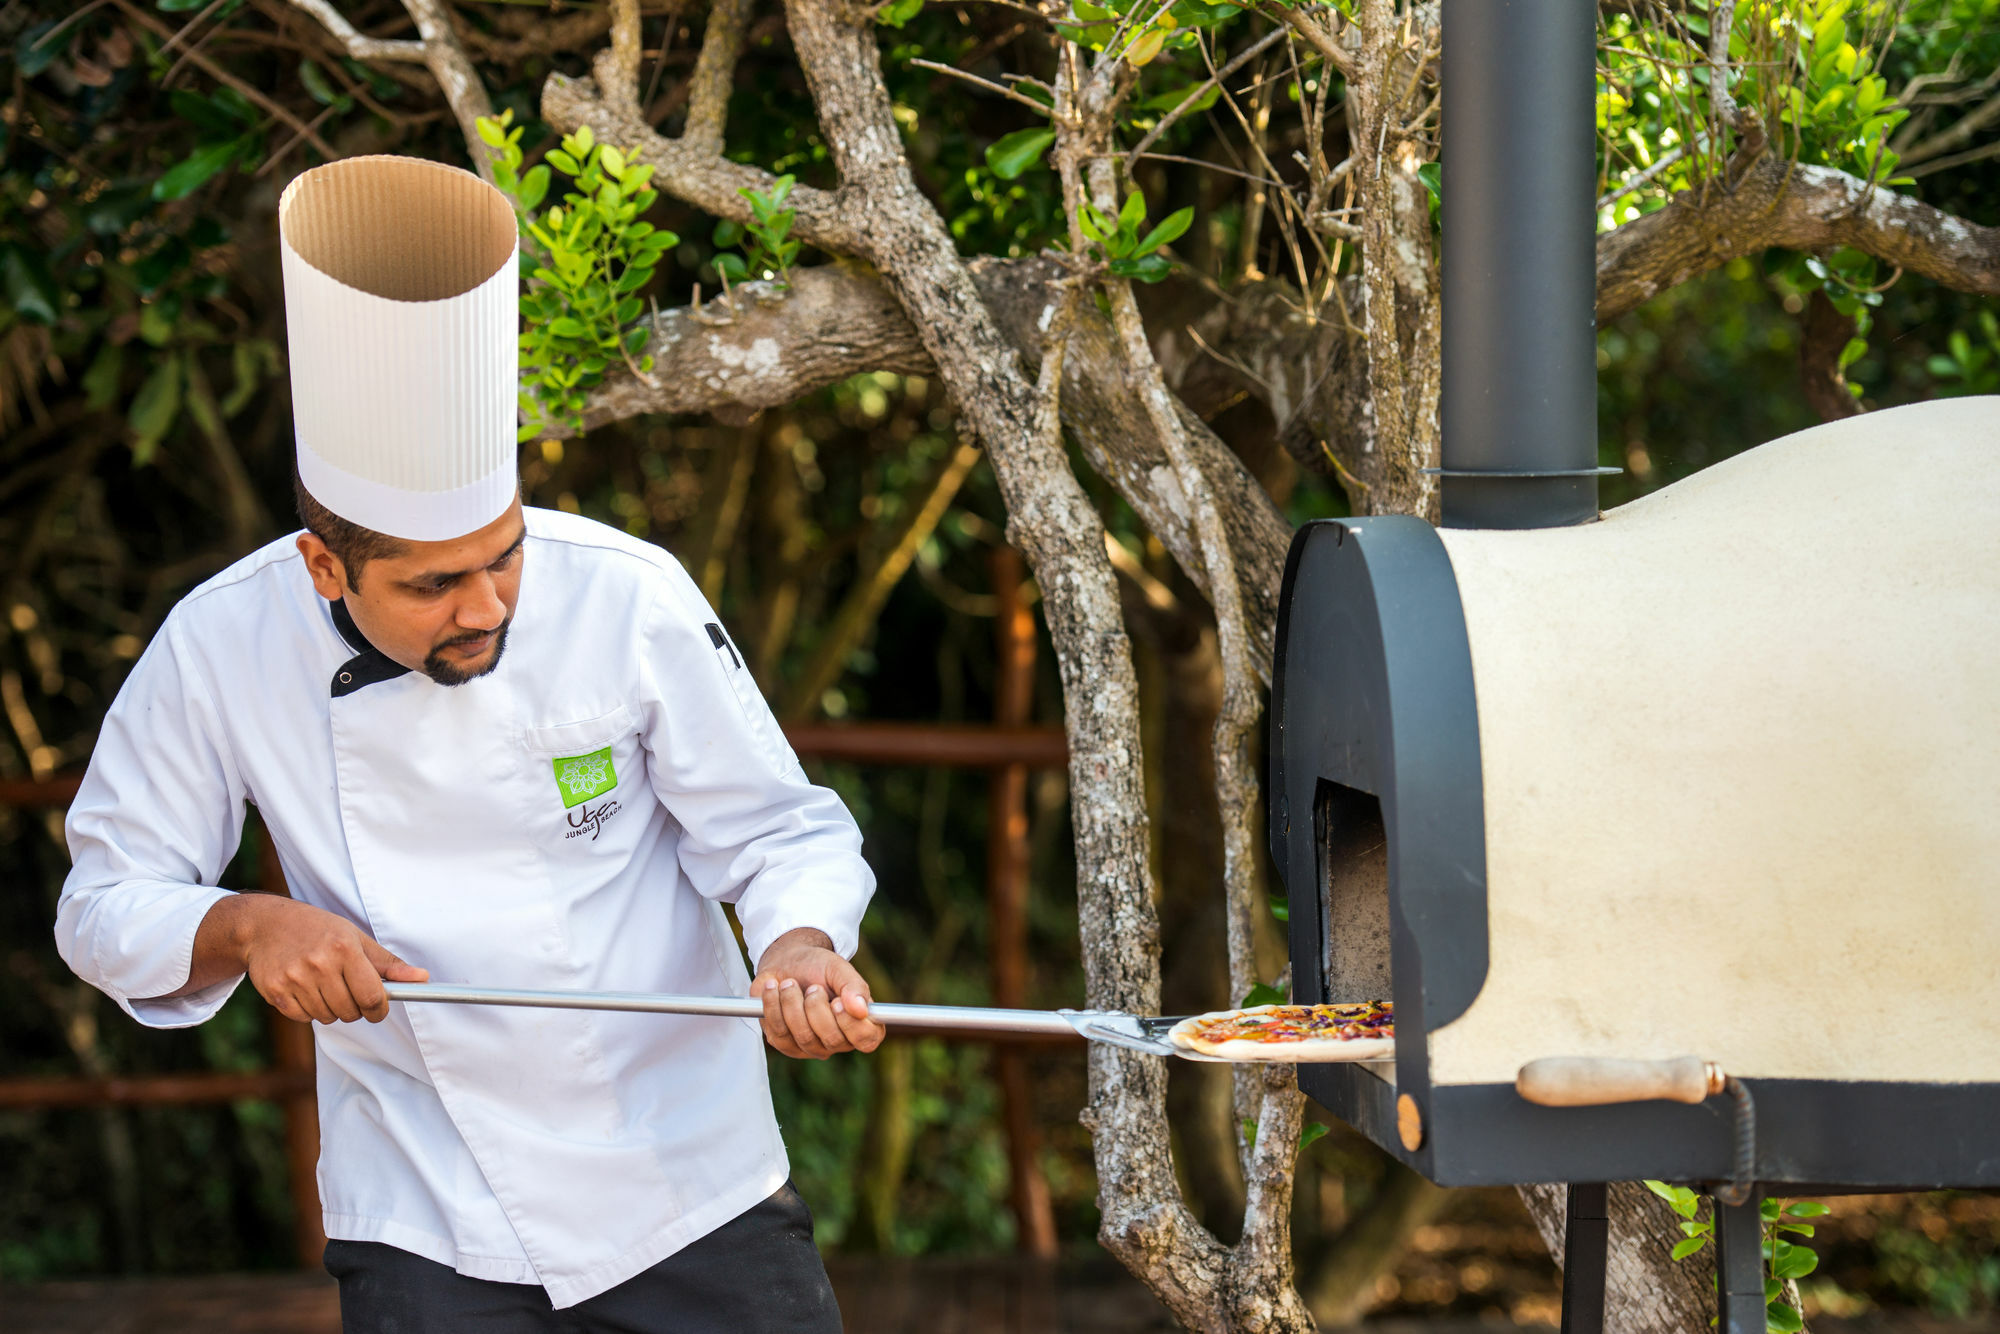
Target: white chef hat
402,305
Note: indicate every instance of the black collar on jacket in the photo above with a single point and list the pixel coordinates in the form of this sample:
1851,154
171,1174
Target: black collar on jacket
365,668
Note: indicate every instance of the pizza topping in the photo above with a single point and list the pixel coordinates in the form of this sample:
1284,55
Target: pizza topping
1299,1023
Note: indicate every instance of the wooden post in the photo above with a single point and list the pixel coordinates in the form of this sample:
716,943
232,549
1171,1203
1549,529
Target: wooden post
1007,900
292,1048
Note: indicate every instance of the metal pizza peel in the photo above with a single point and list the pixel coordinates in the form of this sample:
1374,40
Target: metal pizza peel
1143,1033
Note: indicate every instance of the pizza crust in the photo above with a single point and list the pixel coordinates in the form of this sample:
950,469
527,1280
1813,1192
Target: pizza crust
1190,1035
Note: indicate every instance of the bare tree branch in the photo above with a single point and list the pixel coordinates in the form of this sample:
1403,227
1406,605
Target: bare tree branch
359,45
445,58
549,35
701,176
1824,337
1338,44
1242,58
618,64
755,352
1946,163
1956,135
439,51
1773,203
715,75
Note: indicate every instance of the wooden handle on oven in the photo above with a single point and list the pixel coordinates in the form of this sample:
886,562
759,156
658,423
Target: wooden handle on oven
1593,1081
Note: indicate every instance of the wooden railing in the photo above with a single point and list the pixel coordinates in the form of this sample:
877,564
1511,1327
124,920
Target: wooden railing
1008,749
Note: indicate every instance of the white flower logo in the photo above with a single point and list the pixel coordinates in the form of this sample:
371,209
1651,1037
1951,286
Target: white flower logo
584,775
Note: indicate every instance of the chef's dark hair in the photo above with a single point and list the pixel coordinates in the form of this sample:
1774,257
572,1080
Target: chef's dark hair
353,544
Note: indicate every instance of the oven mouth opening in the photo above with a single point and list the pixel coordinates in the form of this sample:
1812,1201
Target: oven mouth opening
1353,894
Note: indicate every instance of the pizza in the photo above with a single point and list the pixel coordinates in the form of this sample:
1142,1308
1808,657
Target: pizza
1349,1032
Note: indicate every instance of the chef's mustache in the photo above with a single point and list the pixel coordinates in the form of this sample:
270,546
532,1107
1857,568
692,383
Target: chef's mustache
471,636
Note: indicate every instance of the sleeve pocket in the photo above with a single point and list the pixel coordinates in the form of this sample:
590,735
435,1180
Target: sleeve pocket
756,712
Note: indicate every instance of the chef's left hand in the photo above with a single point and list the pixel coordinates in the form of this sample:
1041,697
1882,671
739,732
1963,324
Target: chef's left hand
815,1002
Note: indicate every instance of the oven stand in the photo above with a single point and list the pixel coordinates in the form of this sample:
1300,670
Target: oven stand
1739,1265
1585,1236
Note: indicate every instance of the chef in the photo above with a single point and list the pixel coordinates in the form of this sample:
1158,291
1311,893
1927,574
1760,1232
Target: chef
491,745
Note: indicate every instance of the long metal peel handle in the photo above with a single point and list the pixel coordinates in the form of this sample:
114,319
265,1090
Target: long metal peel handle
733,1007
1594,1081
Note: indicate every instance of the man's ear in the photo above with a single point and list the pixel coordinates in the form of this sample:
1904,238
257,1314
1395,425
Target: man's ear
329,576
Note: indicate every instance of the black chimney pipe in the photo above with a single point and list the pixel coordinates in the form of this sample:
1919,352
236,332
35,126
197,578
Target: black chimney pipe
1520,287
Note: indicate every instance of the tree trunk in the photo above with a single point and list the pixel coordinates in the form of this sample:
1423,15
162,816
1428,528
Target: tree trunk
1645,1291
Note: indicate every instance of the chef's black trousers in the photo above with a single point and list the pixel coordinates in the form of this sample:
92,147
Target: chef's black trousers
759,1273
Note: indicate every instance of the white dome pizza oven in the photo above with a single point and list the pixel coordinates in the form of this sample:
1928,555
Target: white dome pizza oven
1701,796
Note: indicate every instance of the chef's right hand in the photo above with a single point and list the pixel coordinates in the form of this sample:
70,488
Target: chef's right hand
314,965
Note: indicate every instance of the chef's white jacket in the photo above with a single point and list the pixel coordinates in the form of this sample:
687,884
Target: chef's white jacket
574,819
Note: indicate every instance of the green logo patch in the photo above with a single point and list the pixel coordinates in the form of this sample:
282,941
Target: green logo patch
581,777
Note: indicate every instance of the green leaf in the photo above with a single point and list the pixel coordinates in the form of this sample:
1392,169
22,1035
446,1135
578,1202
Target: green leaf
564,163
180,6
1014,154
33,54
1807,1209
1683,1201
1250,1133
31,289
1173,97
1134,211
251,360
731,266
156,321
1281,909
155,408
611,160
899,12
1093,224
491,131
1795,1262
1263,994
186,176
1783,1318
118,208
1432,175
534,187
237,105
1168,231
102,380
1145,47
316,84
566,327
1683,1249
207,116
1314,1132
636,338
629,309
1145,268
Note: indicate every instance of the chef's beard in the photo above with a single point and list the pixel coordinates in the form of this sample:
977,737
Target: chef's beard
448,674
